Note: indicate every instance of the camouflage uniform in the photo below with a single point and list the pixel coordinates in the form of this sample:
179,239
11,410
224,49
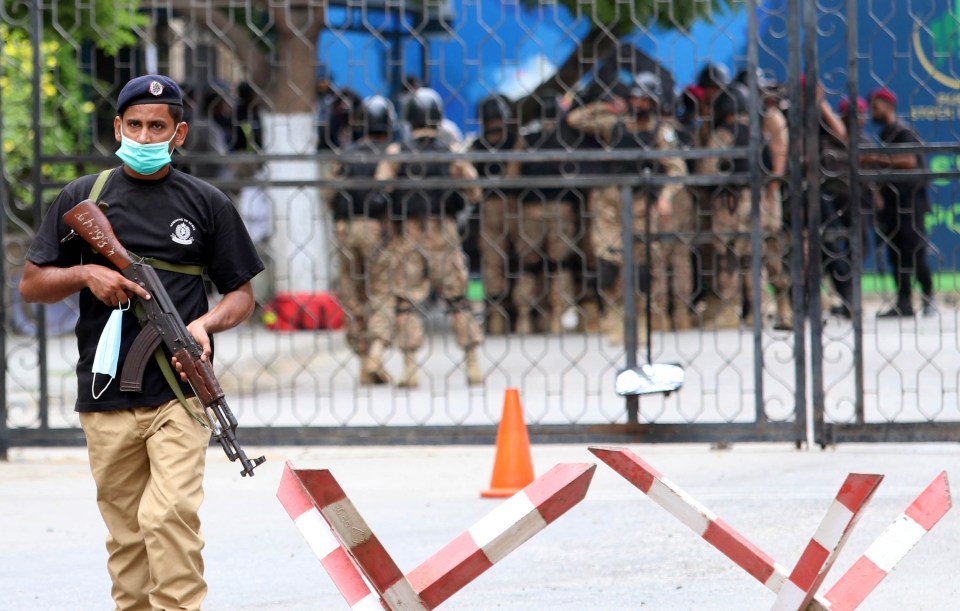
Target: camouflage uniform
498,234
547,231
607,231
777,141
729,208
680,253
424,252
360,229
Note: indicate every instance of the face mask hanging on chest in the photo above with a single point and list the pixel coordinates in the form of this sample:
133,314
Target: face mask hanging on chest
145,159
108,350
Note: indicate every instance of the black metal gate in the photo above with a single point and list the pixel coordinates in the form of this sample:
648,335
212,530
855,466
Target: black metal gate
829,378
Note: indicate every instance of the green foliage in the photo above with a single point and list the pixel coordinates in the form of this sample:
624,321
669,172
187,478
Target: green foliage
63,114
110,24
622,16
66,112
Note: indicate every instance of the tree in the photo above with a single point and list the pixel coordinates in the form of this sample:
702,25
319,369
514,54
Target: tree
65,112
609,21
276,44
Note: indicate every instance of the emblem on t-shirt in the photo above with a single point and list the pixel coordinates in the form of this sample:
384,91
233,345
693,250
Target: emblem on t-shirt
182,231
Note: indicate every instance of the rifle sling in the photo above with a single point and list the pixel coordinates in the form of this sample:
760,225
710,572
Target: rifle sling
167,266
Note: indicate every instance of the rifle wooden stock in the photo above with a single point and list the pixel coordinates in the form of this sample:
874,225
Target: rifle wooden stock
91,224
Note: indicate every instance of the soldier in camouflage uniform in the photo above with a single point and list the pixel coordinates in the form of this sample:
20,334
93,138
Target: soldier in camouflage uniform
683,223
546,233
360,226
729,208
773,160
632,125
424,249
498,212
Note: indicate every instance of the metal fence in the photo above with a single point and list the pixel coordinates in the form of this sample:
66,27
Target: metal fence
284,76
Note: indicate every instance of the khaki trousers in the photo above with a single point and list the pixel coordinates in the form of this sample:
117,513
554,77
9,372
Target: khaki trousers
360,242
148,466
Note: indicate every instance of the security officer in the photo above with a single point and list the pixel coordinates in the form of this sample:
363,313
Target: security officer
904,203
424,250
773,161
633,124
547,232
498,214
713,79
681,253
729,209
360,226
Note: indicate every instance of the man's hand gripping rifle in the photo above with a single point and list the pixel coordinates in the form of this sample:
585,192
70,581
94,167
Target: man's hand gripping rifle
161,322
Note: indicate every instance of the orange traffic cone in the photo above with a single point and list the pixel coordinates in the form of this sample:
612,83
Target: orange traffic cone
512,467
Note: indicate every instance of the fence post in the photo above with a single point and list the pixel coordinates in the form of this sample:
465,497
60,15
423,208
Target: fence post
797,288
36,35
812,123
629,274
4,440
757,187
857,217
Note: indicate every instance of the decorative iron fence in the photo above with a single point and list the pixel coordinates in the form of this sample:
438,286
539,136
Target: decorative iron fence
775,320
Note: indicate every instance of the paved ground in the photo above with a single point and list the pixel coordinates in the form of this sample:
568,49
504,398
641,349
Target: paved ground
616,550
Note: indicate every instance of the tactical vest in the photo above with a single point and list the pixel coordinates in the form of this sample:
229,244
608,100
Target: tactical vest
624,139
412,202
493,169
550,140
685,142
741,139
359,202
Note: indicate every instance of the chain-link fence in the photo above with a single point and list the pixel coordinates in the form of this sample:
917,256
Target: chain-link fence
426,250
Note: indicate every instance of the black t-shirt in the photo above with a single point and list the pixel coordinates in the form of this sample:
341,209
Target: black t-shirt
179,219
905,194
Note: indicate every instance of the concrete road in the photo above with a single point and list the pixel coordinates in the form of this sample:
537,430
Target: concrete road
615,550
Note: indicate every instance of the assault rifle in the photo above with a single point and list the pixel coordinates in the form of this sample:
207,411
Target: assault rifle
161,322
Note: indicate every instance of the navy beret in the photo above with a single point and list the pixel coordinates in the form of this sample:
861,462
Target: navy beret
149,89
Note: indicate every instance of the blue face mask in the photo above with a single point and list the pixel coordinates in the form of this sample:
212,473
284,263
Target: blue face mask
145,159
108,351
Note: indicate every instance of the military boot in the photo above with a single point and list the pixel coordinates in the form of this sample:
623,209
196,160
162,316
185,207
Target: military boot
659,320
524,322
613,325
496,321
681,318
727,317
784,320
590,317
410,377
474,375
372,370
554,323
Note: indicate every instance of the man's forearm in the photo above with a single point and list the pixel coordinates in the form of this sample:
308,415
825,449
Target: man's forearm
235,307
49,284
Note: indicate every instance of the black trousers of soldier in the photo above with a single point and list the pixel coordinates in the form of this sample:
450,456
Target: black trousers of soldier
906,243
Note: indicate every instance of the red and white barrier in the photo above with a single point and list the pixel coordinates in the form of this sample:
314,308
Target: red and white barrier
891,546
698,518
798,590
501,531
296,498
464,559
822,551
